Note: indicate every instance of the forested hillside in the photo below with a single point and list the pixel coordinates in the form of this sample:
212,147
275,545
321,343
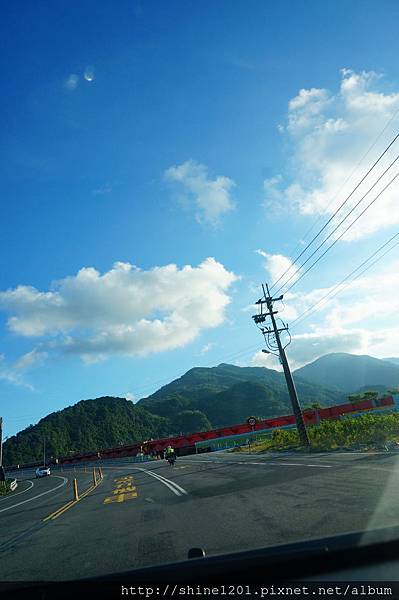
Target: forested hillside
202,399
89,425
227,394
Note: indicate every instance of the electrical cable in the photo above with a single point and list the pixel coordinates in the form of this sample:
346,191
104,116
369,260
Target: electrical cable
336,212
343,233
310,310
379,136
340,236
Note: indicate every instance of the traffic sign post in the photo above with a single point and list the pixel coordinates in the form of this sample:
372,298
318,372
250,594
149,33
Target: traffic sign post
252,422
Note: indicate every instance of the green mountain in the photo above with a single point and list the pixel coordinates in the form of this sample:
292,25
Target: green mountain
392,359
228,394
350,372
203,398
87,426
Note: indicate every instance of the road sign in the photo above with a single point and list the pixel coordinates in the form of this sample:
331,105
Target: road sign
251,421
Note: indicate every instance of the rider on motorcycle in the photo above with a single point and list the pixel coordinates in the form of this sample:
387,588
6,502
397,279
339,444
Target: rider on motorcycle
170,453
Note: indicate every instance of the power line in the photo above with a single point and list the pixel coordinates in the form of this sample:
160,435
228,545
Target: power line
331,293
335,213
343,233
379,136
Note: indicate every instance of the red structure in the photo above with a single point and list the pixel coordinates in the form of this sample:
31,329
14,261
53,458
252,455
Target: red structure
185,445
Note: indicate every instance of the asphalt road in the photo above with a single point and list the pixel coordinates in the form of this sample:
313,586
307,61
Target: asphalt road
151,513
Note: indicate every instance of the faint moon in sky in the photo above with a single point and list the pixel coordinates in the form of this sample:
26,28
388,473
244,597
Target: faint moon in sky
89,74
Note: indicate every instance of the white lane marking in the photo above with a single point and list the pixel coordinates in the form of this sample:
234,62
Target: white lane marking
176,489
265,463
283,464
182,490
18,493
298,464
38,495
200,460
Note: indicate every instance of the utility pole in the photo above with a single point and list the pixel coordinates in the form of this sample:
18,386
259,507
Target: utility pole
275,332
44,451
2,472
1,442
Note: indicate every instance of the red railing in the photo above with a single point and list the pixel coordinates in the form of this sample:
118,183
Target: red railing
184,444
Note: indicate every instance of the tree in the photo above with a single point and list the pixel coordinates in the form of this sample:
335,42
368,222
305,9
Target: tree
191,421
353,398
313,406
370,395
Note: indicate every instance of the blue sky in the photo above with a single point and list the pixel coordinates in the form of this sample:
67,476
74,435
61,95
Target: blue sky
140,135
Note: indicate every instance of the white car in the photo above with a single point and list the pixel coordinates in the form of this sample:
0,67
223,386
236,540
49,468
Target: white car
42,472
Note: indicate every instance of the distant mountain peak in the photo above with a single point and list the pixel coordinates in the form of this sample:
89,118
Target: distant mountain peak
350,372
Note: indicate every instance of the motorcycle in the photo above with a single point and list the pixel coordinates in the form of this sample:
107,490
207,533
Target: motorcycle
171,460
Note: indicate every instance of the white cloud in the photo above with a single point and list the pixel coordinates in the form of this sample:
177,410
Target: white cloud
72,82
210,197
372,296
329,133
307,347
131,397
124,311
270,361
12,374
30,359
358,320
106,189
276,264
206,348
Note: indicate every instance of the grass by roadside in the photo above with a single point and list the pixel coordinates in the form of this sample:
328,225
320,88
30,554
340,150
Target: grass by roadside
5,487
367,432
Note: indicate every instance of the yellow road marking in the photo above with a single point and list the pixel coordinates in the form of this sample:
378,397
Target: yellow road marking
129,496
120,498
90,489
113,499
125,490
68,505
128,488
65,506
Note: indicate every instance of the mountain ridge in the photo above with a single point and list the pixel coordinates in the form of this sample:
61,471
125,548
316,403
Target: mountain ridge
201,399
350,372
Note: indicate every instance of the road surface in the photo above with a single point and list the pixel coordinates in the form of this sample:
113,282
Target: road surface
150,513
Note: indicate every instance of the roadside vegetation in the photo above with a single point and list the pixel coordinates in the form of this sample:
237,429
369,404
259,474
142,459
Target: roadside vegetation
367,432
5,487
